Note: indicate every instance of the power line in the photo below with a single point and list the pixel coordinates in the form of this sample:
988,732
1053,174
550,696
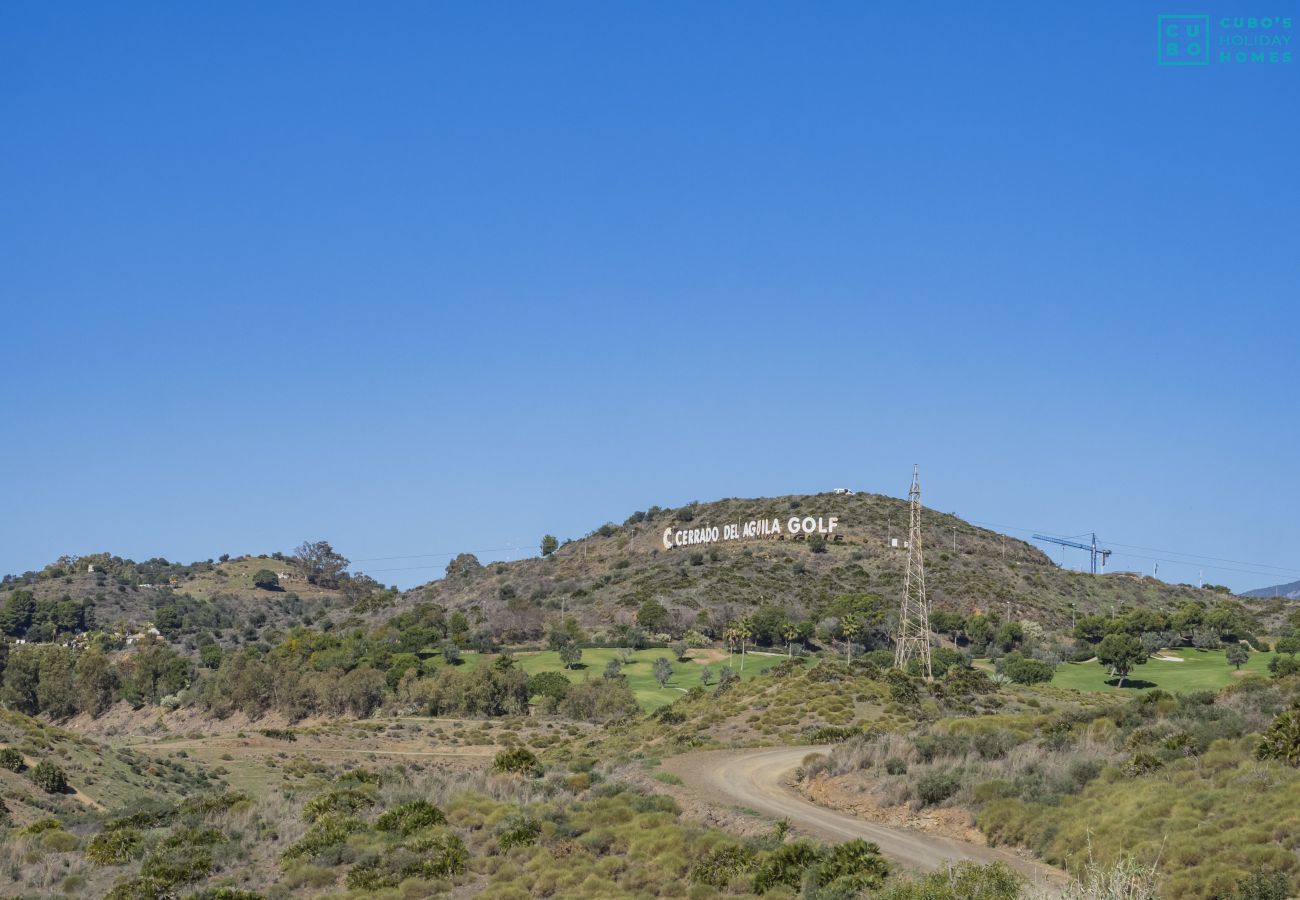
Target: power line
432,555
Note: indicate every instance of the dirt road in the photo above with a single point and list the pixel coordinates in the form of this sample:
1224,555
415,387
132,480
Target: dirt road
756,780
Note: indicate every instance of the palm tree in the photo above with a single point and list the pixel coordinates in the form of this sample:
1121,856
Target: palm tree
731,636
850,628
744,631
790,632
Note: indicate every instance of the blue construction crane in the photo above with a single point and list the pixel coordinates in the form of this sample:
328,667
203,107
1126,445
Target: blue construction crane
1091,548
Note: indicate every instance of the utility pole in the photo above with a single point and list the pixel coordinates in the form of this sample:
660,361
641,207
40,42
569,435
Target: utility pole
914,618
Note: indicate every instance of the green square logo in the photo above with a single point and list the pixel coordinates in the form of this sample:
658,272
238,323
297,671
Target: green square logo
1183,40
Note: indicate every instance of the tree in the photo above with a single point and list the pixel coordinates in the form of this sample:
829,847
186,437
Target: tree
680,649
549,544
451,654
94,682
56,692
551,685
17,613
737,635
21,678
790,632
1120,652
706,676
663,670
463,566
210,655
1010,635
943,621
319,563
266,580
849,627
570,655
1206,639
362,690
769,622
613,669
1237,655
1152,641
599,700
651,614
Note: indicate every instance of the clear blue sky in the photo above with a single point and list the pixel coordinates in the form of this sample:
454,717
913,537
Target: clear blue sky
429,277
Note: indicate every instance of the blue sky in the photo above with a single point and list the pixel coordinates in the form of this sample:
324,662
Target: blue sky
437,277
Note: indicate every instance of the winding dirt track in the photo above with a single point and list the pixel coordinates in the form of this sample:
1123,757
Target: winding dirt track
756,780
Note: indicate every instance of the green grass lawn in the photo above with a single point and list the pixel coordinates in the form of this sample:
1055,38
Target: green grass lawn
1200,670
640,677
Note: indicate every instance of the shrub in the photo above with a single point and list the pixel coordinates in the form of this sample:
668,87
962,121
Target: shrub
1282,740
786,865
833,734
520,831
178,866
279,734
1024,670
114,848
328,831
722,865
518,760
40,826
966,881
1264,885
936,787
140,888
11,759
194,837
336,801
410,817
852,866
436,856
895,766
50,778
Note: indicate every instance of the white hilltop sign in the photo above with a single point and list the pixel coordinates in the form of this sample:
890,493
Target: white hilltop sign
755,529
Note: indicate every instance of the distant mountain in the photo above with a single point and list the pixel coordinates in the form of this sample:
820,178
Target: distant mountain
1288,591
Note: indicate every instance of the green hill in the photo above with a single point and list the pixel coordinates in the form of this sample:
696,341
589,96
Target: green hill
604,577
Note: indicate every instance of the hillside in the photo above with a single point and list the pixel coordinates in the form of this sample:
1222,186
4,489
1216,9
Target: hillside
98,777
213,598
603,578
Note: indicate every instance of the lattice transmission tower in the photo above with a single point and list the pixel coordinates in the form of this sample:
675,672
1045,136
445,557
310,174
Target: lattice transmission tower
914,619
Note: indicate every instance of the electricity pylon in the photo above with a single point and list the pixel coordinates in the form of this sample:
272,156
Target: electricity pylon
914,619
